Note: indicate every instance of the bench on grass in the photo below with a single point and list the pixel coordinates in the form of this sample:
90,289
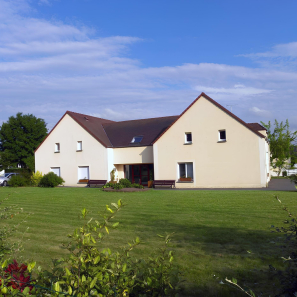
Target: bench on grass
96,182
164,183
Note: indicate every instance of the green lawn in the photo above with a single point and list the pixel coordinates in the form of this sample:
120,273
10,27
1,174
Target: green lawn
213,229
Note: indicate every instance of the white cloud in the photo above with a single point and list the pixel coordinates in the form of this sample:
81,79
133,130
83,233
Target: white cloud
48,67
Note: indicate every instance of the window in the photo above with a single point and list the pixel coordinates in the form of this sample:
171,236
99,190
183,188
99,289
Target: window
57,147
188,137
56,170
83,173
136,139
222,135
186,171
79,146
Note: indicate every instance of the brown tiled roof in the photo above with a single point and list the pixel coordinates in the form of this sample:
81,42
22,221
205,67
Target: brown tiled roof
93,125
121,134
219,106
256,126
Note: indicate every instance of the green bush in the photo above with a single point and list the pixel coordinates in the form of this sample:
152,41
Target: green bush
137,186
35,178
18,181
118,187
125,182
285,173
50,180
90,269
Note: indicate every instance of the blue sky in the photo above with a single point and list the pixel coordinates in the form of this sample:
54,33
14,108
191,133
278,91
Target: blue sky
135,59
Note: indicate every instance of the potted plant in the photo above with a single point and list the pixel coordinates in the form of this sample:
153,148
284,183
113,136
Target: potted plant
151,181
185,179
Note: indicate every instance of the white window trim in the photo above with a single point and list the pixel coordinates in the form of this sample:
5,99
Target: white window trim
83,166
184,162
79,146
52,169
186,141
57,147
219,135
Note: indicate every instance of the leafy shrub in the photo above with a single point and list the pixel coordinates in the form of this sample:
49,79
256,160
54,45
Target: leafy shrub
35,178
108,185
285,173
137,186
125,182
18,181
293,178
50,180
89,270
118,186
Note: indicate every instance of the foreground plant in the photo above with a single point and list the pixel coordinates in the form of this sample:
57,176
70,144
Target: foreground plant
91,271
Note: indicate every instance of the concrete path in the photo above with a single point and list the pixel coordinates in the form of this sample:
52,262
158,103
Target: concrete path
282,184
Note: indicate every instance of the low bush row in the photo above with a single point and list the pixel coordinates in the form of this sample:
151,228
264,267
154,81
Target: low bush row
48,180
123,183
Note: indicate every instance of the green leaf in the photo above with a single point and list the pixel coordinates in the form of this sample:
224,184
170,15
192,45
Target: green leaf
26,290
106,229
124,267
115,224
93,282
57,287
31,266
69,290
234,280
4,264
83,278
137,240
68,273
97,259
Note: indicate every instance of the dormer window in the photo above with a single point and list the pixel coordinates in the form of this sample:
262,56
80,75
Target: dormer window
188,138
136,139
57,147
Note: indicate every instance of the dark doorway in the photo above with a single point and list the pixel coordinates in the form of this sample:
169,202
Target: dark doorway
139,174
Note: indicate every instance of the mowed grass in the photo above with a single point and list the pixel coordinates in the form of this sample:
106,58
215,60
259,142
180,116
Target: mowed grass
217,234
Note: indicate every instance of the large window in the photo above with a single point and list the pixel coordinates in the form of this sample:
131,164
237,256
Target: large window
56,170
83,173
186,171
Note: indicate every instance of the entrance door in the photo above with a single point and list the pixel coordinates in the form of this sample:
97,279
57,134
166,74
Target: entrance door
139,174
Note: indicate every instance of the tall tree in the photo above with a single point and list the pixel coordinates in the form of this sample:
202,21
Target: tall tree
281,141
19,137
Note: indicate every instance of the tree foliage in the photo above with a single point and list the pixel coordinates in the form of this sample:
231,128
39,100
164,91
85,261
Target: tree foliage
281,141
19,137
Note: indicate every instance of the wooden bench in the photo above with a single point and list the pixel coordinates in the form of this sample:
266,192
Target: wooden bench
164,183
96,182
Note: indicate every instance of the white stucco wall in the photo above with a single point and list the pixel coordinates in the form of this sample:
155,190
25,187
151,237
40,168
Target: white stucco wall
237,163
93,154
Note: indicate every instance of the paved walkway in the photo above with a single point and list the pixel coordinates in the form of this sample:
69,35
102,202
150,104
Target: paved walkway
282,184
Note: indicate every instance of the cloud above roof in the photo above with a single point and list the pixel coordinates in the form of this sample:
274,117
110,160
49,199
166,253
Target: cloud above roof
49,66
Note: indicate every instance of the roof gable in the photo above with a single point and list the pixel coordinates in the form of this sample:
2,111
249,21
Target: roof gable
220,107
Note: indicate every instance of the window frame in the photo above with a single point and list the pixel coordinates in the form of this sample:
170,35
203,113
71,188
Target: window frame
219,135
186,140
134,137
186,171
52,169
57,147
79,146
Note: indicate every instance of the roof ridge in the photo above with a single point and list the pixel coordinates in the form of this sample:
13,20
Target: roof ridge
83,114
106,135
147,119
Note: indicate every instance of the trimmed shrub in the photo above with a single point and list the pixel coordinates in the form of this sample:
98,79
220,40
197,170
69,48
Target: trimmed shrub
125,182
35,178
50,180
137,186
285,173
118,186
18,181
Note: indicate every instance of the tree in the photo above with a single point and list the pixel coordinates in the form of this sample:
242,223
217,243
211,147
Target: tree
19,137
281,141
